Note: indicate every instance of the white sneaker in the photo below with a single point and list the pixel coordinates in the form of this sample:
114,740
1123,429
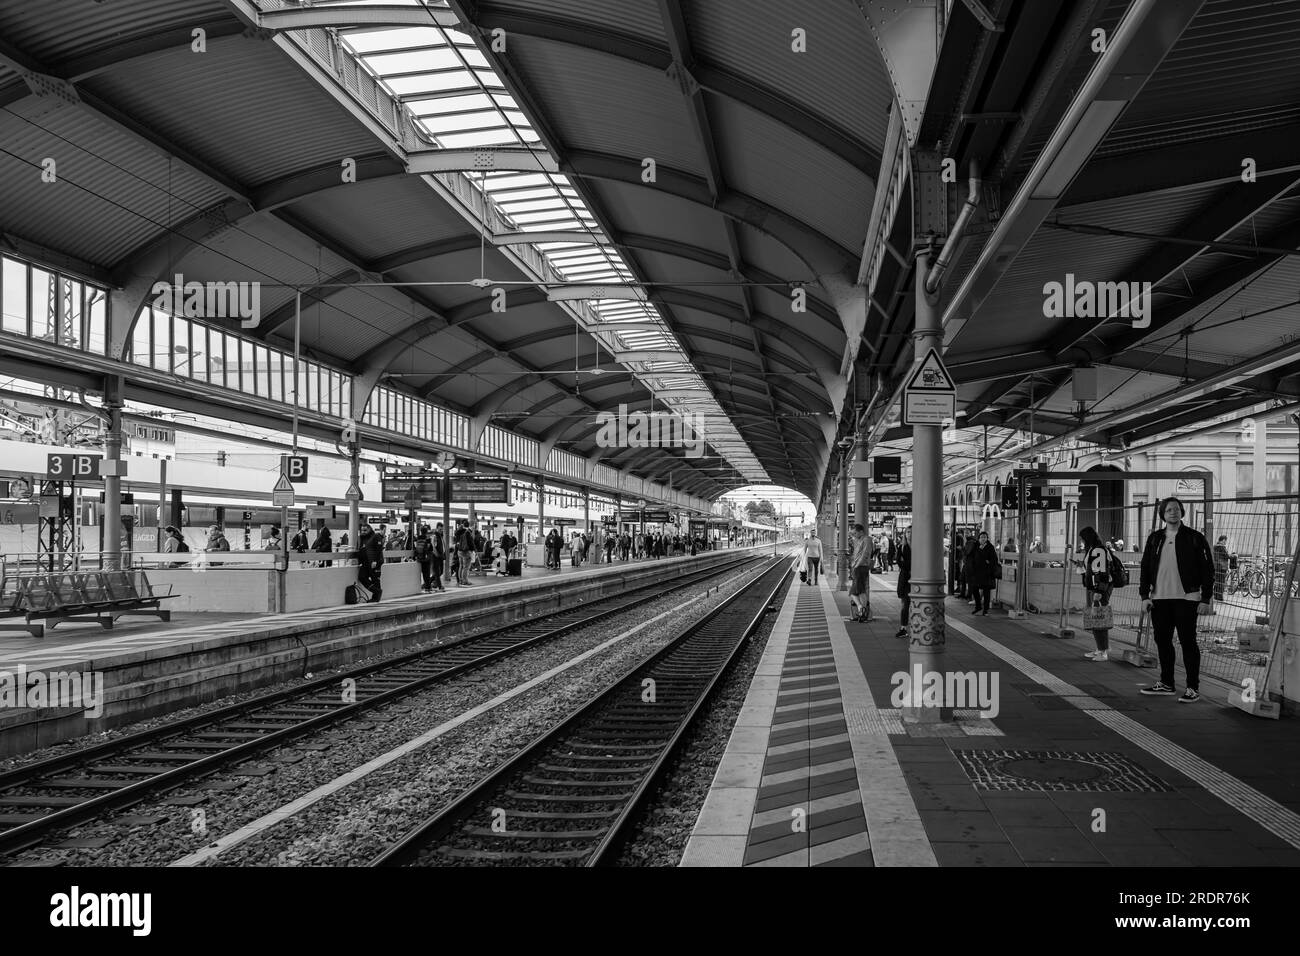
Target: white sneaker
1101,656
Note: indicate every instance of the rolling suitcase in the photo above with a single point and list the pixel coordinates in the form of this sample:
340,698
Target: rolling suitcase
515,568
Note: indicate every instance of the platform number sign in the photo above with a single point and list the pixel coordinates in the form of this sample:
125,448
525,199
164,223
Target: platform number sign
295,468
73,467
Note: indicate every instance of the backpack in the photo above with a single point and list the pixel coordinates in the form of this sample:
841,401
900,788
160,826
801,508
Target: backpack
478,540
182,546
460,539
1115,568
421,547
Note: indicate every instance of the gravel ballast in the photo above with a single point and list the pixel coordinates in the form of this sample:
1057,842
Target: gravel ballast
352,825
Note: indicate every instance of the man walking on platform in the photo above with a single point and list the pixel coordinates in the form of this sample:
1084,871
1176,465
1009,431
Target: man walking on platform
1176,583
812,551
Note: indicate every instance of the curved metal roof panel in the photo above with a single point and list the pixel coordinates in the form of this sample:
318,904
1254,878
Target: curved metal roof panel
112,194
226,104
766,253
643,210
752,38
1236,67
264,249
626,109
642,19
761,158
53,38
385,216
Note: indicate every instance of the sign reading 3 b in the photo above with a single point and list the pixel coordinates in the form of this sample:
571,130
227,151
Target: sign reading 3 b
73,467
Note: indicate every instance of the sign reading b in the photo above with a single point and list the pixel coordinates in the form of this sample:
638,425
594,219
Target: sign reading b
295,468
72,467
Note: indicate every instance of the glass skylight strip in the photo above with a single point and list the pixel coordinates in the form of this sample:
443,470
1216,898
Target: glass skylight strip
460,102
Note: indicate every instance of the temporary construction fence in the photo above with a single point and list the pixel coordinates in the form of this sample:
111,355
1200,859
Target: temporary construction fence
1252,540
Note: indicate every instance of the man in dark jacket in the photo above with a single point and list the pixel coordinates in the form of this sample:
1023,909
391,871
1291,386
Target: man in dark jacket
904,558
370,560
1177,581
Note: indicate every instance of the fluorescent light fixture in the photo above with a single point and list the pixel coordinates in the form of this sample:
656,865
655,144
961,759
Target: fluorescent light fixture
1086,136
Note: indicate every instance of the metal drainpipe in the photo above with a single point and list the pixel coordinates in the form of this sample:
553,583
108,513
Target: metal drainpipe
935,279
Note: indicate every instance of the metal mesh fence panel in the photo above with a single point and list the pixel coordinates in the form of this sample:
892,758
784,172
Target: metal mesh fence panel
1252,541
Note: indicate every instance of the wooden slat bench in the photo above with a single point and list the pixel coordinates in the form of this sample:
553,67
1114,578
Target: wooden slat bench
99,596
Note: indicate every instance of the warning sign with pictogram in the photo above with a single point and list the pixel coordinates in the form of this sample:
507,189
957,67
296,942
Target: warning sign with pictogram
930,396
282,494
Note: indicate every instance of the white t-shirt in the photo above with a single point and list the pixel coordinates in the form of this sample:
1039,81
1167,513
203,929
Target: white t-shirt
1169,583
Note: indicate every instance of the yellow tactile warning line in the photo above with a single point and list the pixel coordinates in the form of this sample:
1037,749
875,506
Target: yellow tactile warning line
722,828
1237,794
893,822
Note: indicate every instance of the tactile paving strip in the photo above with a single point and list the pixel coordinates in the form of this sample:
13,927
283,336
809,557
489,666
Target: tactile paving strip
1056,770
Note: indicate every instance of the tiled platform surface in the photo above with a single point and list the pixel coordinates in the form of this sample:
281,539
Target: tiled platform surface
1075,767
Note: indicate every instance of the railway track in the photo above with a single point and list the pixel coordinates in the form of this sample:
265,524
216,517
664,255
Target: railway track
42,798
569,796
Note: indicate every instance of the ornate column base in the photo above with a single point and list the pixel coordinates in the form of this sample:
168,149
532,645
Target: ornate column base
927,639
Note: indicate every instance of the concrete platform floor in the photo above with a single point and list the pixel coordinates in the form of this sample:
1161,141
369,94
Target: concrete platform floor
1062,763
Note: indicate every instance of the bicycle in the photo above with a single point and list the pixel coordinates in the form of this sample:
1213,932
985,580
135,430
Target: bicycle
1250,579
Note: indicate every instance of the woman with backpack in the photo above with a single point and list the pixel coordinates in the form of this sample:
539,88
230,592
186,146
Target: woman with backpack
1097,585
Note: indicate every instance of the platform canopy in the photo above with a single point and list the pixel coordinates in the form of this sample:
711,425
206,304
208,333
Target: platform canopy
1117,144
650,203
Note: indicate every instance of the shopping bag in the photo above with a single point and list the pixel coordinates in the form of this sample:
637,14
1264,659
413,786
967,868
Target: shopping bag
1098,617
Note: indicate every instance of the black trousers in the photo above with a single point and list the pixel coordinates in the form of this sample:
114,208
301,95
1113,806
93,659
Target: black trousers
368,575
426,573
813,565
983,597
1166,618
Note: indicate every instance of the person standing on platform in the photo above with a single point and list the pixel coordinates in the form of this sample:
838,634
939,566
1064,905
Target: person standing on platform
958,558
464,548
1097,585
370,561
323,545
985,569
439,542
217,540
860,553
422,546
904,591
812,550
274,543
1176,584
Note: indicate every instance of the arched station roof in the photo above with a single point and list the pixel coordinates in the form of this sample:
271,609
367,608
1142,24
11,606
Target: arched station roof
221,159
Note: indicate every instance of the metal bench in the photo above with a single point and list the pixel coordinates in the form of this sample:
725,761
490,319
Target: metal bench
99,596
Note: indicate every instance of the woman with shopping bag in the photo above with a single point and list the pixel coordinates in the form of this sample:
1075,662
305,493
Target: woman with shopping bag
1097,586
